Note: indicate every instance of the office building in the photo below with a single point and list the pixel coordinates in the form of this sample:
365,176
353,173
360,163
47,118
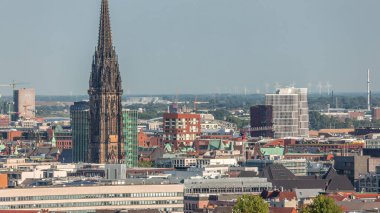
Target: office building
25,103
95,198
261,121
290,112
130,137
106,119
80,126
354,166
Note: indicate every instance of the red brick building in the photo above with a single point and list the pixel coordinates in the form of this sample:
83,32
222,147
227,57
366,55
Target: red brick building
375,113
142,139
145,140
63,138
181,129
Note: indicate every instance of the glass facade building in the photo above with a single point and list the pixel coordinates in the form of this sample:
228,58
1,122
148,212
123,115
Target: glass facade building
79,118
130,137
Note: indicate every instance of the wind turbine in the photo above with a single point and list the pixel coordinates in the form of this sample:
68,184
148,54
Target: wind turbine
277,86
319,85
267,85
328,87
309,87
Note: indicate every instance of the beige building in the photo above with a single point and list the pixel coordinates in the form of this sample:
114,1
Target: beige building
290,112
165,198
25,102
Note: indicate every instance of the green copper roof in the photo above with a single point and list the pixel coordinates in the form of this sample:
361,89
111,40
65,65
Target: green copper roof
217,144
272,151
168,147
187,149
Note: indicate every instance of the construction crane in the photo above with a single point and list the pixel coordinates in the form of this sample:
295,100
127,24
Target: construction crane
198,102
13,84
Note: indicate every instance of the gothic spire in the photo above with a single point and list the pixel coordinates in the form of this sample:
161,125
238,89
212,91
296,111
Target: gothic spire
105,36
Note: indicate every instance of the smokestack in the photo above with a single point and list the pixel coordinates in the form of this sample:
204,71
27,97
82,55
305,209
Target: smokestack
368,92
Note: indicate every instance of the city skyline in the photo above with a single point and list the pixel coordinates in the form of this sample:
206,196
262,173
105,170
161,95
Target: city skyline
258,44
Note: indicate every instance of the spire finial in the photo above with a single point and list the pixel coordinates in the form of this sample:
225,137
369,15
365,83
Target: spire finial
105,36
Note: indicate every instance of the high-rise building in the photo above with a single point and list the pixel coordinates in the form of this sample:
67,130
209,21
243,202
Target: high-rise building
261,121
130,137
290,112
106,120
80,130
181,129
25,102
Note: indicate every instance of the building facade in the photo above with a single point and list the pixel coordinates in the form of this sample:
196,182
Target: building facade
355,166
80,129
261,121
165,198
25,102
181,129
375,113
290,112
297,166
130,136
4,121
106,120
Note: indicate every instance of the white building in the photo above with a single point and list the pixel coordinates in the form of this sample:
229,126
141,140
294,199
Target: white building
165,198
290,112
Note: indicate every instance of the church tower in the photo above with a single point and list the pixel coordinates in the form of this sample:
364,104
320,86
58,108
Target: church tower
106,144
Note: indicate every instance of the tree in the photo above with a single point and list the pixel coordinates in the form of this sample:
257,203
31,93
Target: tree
322,204
251,204
145,164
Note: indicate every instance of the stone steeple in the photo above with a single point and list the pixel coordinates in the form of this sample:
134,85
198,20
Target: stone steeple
106,138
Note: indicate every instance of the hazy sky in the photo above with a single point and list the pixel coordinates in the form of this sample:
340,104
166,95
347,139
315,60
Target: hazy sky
193,46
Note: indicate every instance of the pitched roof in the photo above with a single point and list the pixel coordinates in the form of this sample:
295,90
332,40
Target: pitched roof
287,195
282,178
277,172
282,210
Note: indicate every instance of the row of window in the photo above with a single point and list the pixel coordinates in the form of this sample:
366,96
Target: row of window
84,204
88,196
226,189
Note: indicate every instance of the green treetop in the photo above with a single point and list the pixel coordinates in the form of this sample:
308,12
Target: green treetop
322,204
251,204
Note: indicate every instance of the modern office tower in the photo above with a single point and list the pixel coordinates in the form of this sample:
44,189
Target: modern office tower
25,102
181,129
261,121
80,129
290,112
130,137
106,119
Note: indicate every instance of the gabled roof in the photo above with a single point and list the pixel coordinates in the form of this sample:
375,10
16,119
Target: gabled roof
277,172
287,195
282,210
282,178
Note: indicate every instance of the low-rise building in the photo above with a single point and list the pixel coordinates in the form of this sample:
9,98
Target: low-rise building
296,166
199,191
163,197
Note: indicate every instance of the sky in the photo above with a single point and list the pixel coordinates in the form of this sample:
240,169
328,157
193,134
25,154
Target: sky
193,46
